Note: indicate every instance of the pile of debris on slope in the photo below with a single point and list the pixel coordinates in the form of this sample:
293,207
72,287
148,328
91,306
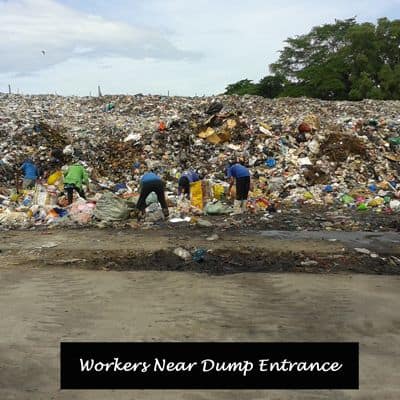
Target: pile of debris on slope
298,150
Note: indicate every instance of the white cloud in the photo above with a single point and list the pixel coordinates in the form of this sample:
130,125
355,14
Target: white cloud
237,40
29,26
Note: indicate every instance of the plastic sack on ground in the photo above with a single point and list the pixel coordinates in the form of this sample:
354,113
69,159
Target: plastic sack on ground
81,211
216,209
111,208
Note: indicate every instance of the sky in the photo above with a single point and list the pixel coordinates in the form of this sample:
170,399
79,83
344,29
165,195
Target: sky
180,47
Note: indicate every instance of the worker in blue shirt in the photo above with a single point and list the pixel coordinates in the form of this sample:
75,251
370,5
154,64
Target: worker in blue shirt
185,180
239,173
150,182
31,174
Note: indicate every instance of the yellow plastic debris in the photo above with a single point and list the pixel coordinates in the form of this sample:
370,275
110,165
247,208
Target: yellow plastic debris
377,201
218,191
196,194
308,196
205,134
53,178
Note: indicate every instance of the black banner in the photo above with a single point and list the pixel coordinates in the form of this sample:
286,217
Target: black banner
207,365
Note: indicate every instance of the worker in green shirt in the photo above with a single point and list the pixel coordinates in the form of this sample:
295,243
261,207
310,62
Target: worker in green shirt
74,178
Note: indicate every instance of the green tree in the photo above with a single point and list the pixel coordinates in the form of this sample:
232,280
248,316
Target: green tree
245,86
339,61
271,86
316,64
362,87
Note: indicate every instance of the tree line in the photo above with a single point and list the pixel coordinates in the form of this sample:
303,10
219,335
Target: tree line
345,60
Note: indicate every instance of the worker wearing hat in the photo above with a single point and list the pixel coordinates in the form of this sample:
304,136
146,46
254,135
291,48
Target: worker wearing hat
74,178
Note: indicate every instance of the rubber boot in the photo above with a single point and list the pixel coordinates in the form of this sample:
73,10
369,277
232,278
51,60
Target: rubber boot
165,212
236,207
244,206
141,215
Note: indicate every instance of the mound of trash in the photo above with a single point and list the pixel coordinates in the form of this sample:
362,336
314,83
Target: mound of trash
301,150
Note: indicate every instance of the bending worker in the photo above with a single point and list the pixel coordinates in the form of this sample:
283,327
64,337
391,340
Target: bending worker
241,174
150,182
31,174
74,178
185,180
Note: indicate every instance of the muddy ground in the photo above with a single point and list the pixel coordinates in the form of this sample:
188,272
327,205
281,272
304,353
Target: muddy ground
296,218
228,252
304,217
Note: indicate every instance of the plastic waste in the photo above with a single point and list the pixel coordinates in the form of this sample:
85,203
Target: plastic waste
347,199
270,162
217,208
204,223
394,205
111,208
199,255
151,199
308,196
182,253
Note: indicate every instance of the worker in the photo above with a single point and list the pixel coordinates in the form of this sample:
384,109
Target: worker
56,160
31,174
239,173
74,178
150,182
185,180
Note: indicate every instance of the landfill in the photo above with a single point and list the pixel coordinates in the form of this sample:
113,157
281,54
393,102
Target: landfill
338,156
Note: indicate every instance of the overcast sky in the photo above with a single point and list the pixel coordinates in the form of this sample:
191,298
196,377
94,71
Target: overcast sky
154,46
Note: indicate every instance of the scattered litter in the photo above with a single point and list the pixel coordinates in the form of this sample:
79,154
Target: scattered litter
199,255
182,253
299,151
70,261
213,237
176,220
309,263
204,223
362,250
48,245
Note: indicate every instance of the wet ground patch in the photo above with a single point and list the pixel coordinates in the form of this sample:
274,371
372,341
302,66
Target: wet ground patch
220,262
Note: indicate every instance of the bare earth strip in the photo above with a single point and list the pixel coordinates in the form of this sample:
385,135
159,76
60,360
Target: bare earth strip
42,304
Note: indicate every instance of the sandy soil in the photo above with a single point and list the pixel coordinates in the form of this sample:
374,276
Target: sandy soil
48,295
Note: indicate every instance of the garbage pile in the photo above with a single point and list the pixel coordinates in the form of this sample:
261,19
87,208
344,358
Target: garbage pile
299,151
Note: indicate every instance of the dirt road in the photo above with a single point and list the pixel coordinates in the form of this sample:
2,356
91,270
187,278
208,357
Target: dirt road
42,304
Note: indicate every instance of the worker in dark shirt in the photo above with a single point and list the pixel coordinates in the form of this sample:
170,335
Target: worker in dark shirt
150,182
239,173
185,180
